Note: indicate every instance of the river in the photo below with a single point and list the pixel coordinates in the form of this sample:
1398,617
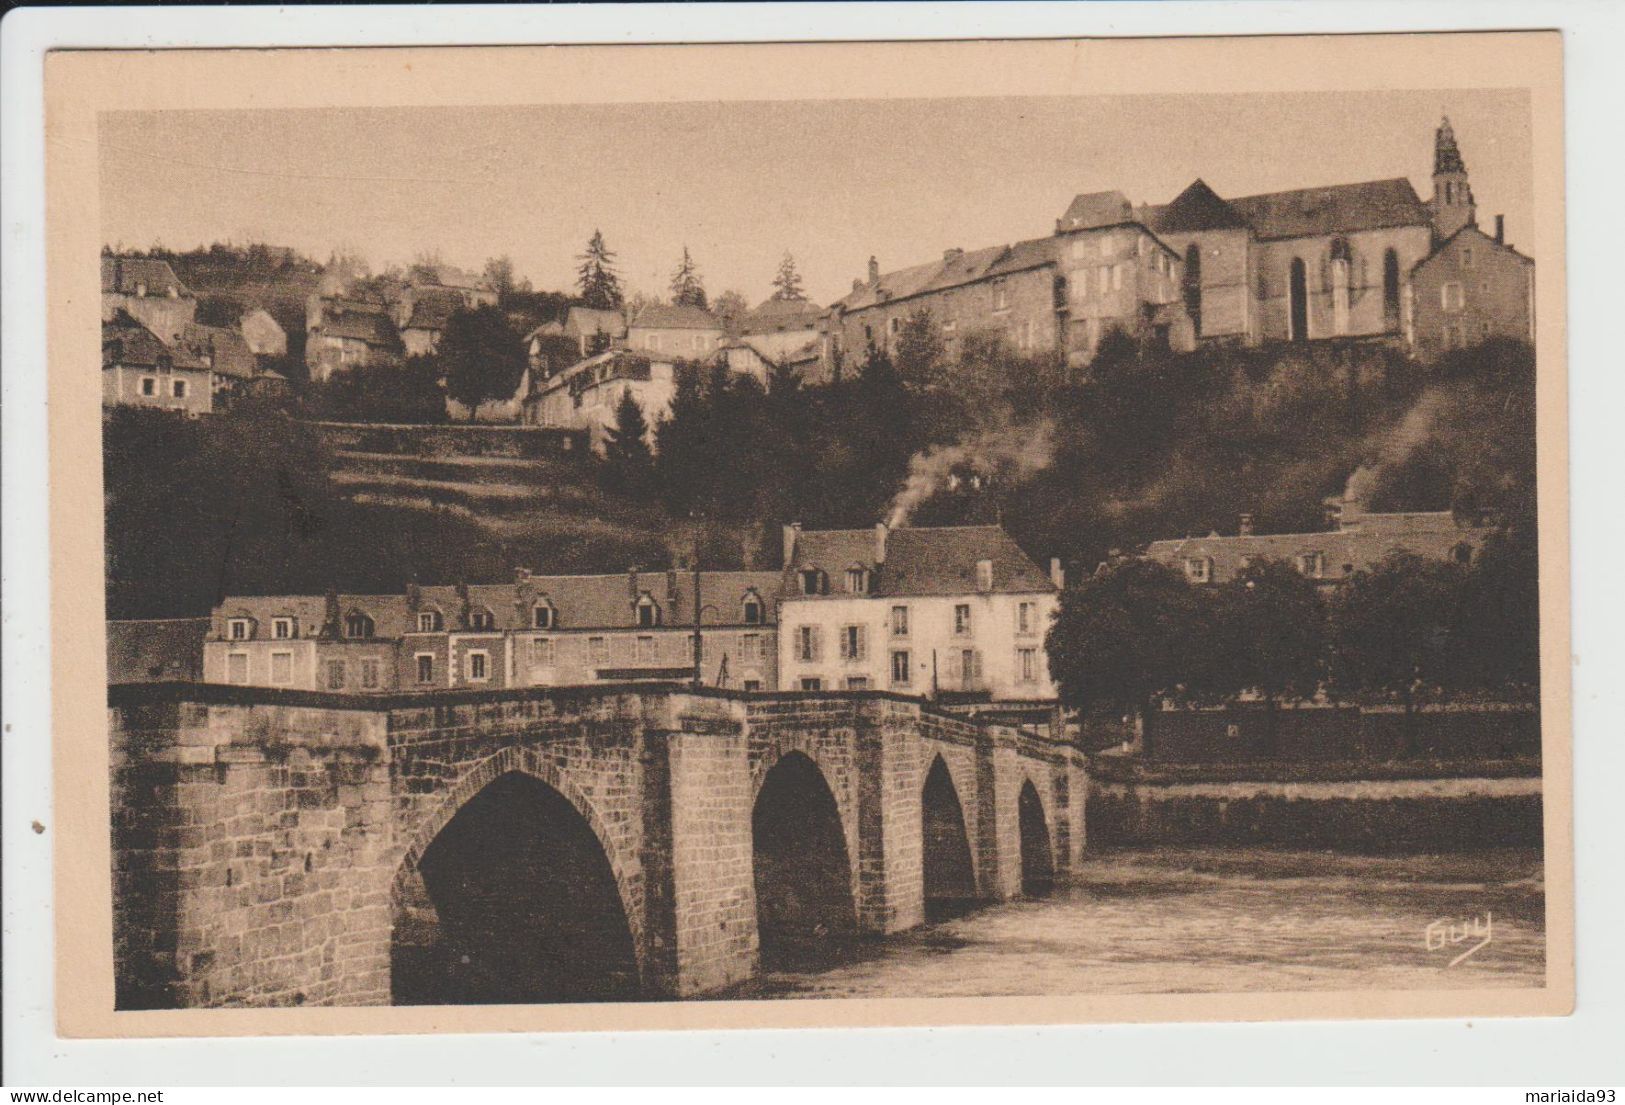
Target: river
1194,920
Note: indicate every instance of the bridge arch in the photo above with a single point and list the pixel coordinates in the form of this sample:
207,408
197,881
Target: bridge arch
947,859
516,836
801,862
1037,852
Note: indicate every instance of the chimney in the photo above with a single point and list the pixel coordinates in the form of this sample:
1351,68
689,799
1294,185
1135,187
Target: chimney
857,285
671,584
949,256
874,273
880,543
632,582
1500,229
1246,526
791,532
1057,574
984,575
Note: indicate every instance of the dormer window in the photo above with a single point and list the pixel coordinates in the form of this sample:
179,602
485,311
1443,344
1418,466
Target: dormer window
481,619
857,580
429,621
1198,569
754,611
984,575
358,626
542,615
813,582
282,629
1312,564
648,612
239,629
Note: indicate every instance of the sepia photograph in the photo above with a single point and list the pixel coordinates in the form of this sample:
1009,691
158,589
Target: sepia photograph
744,553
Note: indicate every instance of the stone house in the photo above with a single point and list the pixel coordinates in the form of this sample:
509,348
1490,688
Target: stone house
1472,288
585,395
958,611
344,333
141,370
682,333
148,291
430,310
227,354
340,642
264,335
1359,541
592,330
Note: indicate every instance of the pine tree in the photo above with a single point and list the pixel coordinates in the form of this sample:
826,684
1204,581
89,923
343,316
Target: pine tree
596,277
787,283
629,463
687,290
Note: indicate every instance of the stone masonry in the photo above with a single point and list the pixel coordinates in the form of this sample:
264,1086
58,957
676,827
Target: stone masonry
266,843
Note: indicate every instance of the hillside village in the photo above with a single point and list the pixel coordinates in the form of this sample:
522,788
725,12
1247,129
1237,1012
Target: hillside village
902,490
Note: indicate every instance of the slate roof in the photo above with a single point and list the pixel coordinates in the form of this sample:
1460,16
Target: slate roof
433,310
1434,535
1486,239
388,612
231,355
1338,209
1095,209
664,316
124,274
920,560
126,341
607,601
371,326
953,270
1198,207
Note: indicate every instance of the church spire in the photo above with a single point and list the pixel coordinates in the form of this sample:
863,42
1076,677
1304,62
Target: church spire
1446,155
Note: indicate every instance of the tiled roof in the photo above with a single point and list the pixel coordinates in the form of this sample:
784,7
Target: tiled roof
126,341
1486,239
230,353
1198,207
1344,552
782,314
370,326
923,560
125,275
665,316
1093,209
1338,209
953,270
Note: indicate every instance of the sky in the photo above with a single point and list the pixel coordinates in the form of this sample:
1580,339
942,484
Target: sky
740,183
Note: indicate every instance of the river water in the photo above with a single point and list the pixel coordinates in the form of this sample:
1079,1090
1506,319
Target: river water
1197,920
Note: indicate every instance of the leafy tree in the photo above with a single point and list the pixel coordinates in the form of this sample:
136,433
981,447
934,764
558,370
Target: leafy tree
628,461
499,274
731,307
920,350
687,290
1124,637
596,277
787,281
481,357
1498,636
1391,629
410,392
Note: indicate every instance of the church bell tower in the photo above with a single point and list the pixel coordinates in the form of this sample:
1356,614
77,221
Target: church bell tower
1452,203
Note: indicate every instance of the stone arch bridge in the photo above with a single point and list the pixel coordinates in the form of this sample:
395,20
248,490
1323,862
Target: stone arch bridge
550,844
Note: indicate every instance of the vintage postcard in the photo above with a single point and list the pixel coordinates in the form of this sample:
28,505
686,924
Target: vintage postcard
823,534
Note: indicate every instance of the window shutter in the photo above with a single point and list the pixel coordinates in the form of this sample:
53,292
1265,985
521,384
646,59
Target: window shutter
817,643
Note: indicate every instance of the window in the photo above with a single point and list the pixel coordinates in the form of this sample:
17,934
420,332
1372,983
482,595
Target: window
646,650
984,575
807,643
854,642
894,325
598,649
812,683
753,685
369,674
962,620
1450,296
1027,665
750,648
178,388
970,667
753,609
149,386
479,667
857,580
654,341
857,682
425,667
1311,564
481,619
237,629
1103,279
357,626
1117,277
813,582
541,652
1198,569
541,616
335,675
282,628
237,667
1466,258
1001,296
1452,336
1026,617
1462,553
429,621
282,667
648,613
899,621
901,669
